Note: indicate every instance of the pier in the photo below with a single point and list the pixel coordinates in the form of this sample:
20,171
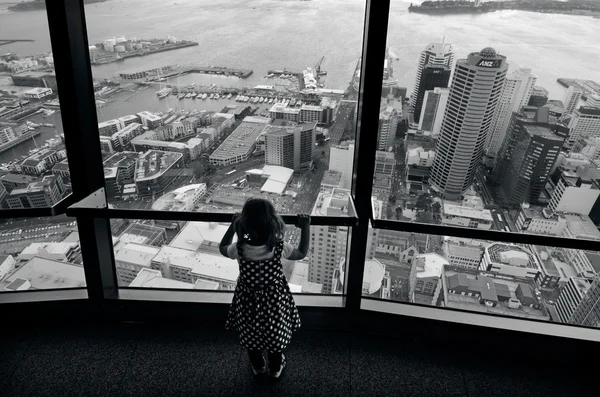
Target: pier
16,142
241,73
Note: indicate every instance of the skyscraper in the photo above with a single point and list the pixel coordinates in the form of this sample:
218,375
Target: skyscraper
434,106
433,54
290,147
433,76
388,123
585,123
328,244
572,98
530,148
515,94
539,96
587,312
341,159
474,93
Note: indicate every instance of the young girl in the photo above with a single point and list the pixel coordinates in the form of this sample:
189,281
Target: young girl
263,309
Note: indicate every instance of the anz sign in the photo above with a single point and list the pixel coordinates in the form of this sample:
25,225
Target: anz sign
487,63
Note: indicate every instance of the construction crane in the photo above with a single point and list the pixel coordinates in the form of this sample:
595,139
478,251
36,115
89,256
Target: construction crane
318,67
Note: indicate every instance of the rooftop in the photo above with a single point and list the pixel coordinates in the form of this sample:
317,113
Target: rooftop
510,254
138,254
149,278
545,132
141,234
36,186
199,263
181,199
37,90
241,140
38,157
581,226
195,235
278,178
332,178
430,265
155,163
17,178
467,212
49,274
334,203
121,159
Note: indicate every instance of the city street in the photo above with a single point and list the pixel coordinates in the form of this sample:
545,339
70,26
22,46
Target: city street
15,236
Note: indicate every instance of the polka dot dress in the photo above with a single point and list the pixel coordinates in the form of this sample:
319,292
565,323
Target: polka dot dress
263,309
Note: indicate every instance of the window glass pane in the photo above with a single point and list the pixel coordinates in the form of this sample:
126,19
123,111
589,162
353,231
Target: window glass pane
255,103
472,130
185,255
40,253
34,171
518,280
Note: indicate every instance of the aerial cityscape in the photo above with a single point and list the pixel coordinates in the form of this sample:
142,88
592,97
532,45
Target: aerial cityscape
467,138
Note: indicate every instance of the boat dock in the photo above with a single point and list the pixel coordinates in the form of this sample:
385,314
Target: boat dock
284,71
16,142
589,87
241,73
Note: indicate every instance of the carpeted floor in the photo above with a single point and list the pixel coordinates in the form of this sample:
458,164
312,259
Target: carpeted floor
143,360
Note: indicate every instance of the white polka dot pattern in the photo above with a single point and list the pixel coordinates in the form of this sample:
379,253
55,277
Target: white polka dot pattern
263,309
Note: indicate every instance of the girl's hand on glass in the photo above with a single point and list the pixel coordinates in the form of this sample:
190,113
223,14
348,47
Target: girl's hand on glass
303,221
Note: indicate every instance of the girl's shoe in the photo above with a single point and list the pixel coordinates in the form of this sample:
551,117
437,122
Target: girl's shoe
281,367
260,371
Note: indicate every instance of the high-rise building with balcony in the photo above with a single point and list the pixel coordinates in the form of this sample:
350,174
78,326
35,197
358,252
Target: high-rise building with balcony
474,93
328,244
572,98
515,94
529,151
432,113
584,123
433,54
388,123
432,76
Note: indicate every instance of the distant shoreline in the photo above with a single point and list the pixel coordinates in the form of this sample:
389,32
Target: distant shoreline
470,7
34,5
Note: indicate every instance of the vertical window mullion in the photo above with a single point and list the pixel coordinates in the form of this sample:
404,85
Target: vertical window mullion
369,99
68,37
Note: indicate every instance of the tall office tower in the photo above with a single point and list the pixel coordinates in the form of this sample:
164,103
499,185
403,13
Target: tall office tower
529,151
539,96
434,106
433,54
291,147
585,123
593,100
474,93
341,159
432,76
388,123
515,94
572,98
587,312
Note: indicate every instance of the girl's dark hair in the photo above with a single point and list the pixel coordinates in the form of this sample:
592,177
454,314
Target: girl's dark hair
259,224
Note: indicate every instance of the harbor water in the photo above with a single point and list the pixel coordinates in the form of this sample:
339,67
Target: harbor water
268,34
